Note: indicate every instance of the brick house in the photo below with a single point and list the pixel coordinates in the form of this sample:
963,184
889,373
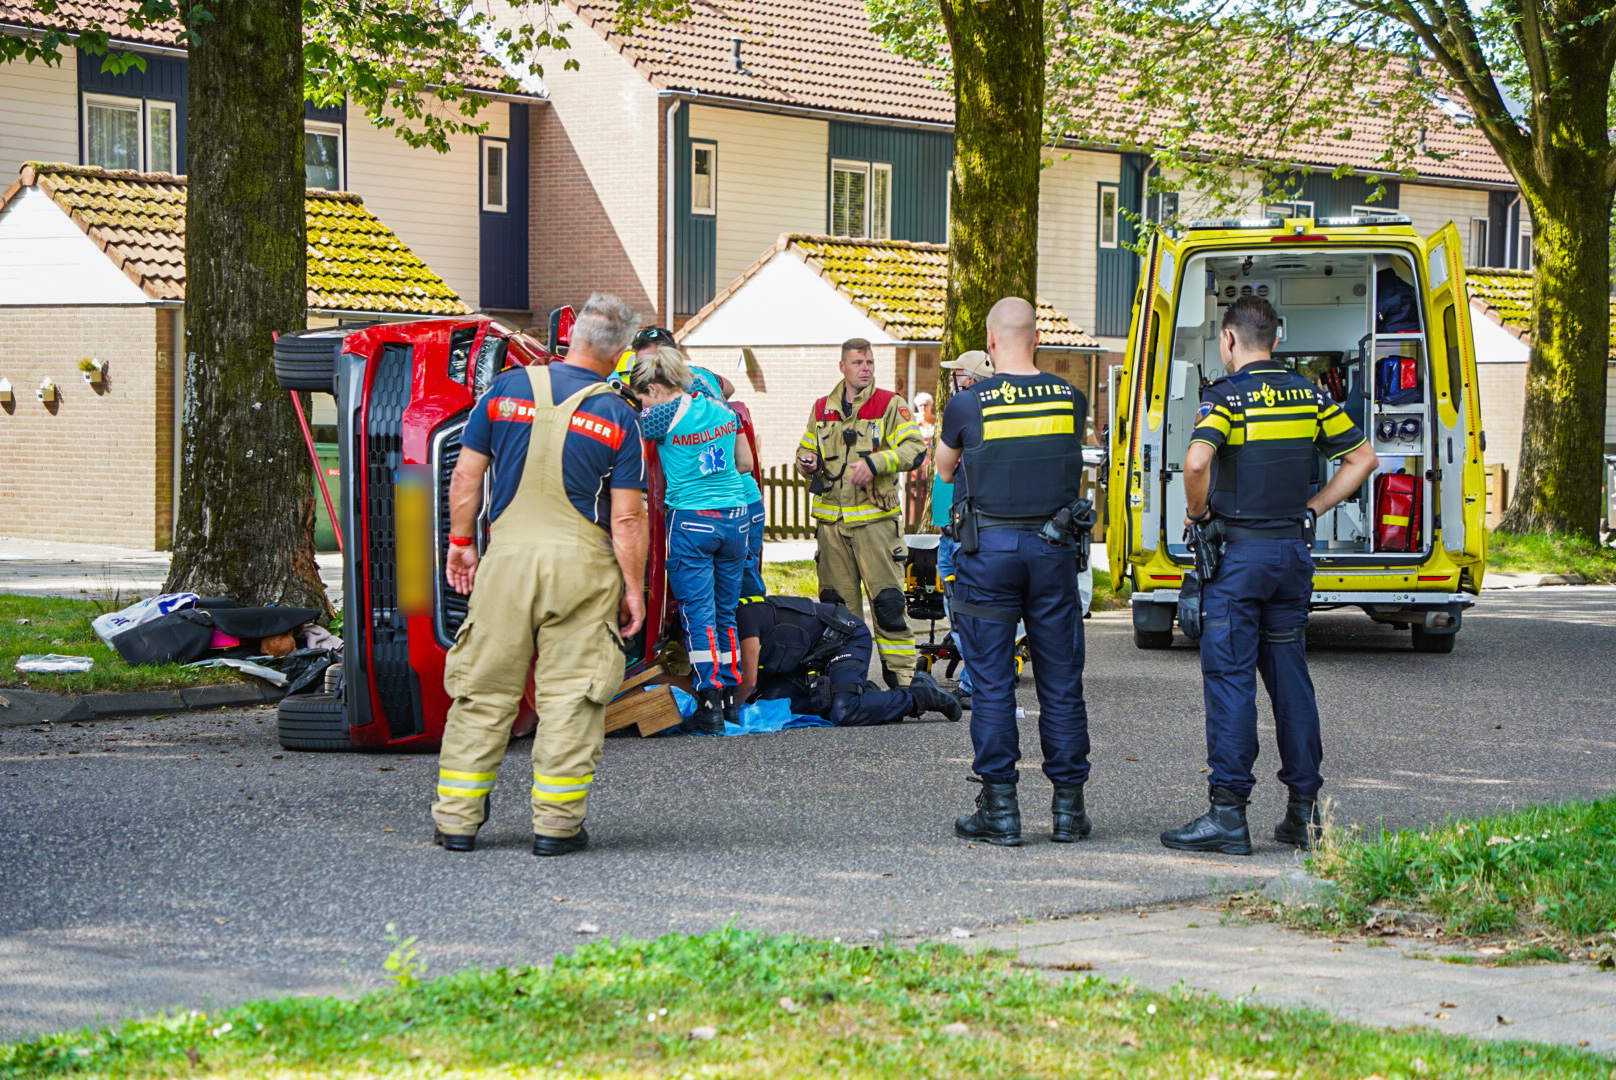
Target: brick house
889,292
1501,321
92,269
473,230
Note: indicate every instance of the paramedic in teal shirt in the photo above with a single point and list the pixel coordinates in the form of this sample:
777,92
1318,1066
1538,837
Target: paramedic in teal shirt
964,372
707,521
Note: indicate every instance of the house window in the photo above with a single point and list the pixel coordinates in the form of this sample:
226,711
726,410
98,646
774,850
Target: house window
112,138
1478,241
129,133
494,194
160,140
1525,259
322,155
703,178
1166,207
1296,208
1110,212
861,199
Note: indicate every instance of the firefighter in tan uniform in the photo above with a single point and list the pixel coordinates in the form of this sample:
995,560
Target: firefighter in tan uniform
564,576
860,440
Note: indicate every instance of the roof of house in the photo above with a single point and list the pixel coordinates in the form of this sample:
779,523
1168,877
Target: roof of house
112,16
1505,297
822,54
355,263
899,284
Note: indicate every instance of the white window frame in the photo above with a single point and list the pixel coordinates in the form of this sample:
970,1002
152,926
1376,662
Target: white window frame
882,169
170,166
698,147
325,127
1372,211
1287,209
1479,258
497,202
1523,252
1115,222
123,104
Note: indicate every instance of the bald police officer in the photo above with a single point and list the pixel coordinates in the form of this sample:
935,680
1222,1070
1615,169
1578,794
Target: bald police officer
1019,436
1249,464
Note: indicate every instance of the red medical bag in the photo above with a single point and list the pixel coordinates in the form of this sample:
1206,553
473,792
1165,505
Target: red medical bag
1397,512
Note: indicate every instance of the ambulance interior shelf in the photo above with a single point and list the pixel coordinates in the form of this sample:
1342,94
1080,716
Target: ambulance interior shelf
1333,307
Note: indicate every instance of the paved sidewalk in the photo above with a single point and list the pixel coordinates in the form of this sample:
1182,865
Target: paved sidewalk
1392,982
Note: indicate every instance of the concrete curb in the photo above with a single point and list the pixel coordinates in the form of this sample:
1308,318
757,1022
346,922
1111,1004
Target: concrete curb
22,707
1522,581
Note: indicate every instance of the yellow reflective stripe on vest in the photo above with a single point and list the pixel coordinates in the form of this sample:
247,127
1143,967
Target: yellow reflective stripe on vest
1263,430
894,648
561,788
826,511
1028,407
1019,429
466,785
1335,423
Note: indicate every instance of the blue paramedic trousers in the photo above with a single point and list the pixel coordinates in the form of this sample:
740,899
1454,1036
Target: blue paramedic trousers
1254,619
706,553
752,587
863,707
1017,572
947,551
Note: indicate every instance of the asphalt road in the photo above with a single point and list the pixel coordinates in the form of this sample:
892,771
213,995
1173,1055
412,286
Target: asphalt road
188,861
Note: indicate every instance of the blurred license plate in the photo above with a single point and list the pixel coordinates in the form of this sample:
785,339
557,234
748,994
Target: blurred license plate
413,559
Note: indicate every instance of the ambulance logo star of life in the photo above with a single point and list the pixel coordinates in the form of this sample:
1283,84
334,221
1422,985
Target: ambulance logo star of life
598,428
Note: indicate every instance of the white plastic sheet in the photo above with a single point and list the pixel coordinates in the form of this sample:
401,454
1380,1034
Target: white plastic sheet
113,623
53,663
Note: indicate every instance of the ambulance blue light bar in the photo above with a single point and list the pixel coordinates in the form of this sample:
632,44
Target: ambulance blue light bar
1235,223
1365,219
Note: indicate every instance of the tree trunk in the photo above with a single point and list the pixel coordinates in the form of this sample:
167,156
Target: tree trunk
246,516
998,54
1563,428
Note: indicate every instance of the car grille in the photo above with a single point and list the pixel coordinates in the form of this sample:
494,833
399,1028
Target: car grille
384,454
451,605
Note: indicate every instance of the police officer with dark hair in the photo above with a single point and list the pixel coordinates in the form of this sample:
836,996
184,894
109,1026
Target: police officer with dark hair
818,656
1019,434
1259,427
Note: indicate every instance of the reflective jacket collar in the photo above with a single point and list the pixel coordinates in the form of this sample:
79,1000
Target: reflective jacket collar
838,399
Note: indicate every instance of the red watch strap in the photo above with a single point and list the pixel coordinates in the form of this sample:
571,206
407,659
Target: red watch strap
459,541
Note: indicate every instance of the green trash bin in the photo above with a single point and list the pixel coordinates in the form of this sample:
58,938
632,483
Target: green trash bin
325,537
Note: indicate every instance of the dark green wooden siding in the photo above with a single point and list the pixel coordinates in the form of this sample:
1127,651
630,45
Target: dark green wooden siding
920,162
695,241
1117,269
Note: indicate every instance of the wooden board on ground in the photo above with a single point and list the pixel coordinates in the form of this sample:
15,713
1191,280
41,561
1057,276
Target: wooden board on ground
650,710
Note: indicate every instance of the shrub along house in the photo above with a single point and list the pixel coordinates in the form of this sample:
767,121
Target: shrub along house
92,310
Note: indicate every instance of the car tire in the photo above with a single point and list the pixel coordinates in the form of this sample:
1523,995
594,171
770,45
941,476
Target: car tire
1153,639
306,360
313,722
1432,643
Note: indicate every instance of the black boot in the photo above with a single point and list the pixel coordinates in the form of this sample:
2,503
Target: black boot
708,719
1071,820
1222,828
732,705
560,845
460,841
998,816
1301,825
929,697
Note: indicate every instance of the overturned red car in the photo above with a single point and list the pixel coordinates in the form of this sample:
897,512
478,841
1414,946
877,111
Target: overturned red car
403,392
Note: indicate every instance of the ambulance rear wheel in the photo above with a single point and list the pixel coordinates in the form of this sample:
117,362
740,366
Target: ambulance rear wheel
1432,643
312,722
1153,639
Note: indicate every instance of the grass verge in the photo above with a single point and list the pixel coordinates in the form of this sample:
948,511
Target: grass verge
801,578
51,624
740,1004
1534,884
1536,553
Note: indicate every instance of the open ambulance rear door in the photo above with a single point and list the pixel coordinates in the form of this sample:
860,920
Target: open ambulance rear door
1458,473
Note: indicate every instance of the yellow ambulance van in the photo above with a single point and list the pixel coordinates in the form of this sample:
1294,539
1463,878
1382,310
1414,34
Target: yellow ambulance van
1379,319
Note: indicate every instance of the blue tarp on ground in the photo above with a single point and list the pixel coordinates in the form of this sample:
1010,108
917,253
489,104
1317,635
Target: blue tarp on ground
756,719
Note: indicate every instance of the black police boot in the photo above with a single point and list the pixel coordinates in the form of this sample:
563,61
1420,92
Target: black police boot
1301,825
459,842
560,845
998,816
1222,828
963,698
708,719
929,697
1071,820
732,705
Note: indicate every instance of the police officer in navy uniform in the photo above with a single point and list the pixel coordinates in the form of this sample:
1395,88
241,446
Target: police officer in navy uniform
1019,434
1249,463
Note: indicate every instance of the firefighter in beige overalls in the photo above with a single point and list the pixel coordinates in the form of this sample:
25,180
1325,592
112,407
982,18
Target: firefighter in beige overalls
549,583
860,441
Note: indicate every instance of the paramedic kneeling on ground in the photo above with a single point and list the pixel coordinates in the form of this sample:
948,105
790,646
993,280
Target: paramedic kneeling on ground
564,575
1019,434
1260,426
817,656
